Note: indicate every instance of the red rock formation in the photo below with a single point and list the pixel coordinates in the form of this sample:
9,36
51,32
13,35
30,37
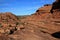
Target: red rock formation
45,9
8,22
42,25
55,6
47,22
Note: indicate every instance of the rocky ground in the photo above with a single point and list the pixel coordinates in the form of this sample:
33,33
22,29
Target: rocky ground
42,25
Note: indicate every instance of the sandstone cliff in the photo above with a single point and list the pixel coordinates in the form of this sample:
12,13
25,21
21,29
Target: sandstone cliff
44,24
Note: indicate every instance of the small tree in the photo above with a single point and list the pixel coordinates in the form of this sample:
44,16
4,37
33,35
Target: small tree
17,23
10,26
0,25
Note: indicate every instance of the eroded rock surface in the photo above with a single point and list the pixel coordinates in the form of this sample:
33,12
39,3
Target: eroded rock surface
42,25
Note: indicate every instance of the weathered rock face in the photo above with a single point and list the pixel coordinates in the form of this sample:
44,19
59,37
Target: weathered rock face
55,6
45,9
8,23
42,25
46,21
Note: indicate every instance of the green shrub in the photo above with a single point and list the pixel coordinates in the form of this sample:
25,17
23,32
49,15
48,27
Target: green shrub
10,26
17,23
0,25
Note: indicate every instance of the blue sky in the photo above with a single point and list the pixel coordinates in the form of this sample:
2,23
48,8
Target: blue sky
22,7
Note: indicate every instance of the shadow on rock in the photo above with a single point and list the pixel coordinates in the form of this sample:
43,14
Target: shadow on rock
56,34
